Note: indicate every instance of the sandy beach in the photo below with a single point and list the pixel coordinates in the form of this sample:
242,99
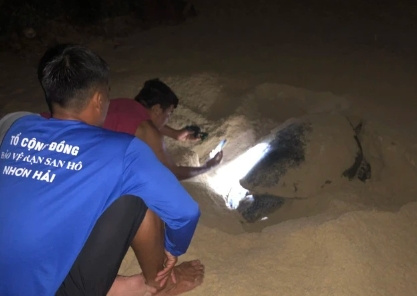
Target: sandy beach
241,70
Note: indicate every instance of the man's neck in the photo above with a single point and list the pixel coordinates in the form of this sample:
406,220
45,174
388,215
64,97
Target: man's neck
148,111
63,114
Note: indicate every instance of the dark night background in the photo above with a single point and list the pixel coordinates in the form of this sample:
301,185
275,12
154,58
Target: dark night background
62,20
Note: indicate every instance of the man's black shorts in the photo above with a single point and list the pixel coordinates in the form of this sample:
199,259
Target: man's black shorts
96,267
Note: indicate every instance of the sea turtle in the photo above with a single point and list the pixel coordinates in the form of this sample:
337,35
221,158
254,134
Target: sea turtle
307,154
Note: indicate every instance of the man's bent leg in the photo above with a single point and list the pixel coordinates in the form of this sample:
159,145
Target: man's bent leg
96,267
151,256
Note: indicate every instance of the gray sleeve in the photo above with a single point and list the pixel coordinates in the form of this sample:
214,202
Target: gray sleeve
7,121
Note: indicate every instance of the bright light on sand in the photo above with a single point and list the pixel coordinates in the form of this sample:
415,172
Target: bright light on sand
226,179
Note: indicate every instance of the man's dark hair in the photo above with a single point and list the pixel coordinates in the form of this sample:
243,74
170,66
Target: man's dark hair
69,73
155,92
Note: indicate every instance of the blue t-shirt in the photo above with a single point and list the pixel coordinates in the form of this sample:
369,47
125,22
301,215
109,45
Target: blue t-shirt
57,178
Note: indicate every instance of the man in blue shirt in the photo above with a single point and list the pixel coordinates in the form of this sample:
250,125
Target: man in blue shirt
74,197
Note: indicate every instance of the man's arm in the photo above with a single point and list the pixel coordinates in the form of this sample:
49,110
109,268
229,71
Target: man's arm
179,135
148,133
170,132
144,176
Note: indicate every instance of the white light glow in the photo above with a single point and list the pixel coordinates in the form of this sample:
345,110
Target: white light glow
226,179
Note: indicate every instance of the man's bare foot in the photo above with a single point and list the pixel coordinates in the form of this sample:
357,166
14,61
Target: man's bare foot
131,286
188,275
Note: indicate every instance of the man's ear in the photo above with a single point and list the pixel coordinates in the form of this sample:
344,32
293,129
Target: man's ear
156,109
97,100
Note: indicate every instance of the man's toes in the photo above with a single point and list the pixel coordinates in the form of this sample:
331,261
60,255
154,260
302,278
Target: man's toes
200,267
199,279
197,265
195,262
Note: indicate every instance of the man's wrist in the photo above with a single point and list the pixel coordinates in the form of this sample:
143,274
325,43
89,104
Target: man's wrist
177,134
207,166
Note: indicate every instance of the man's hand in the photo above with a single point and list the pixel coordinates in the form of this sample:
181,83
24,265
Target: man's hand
169,265
186,135
215,161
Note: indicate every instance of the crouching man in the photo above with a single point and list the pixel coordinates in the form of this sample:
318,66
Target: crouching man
74,197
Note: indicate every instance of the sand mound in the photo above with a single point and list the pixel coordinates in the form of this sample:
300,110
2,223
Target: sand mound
199,92
241,117
393,156
280,102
